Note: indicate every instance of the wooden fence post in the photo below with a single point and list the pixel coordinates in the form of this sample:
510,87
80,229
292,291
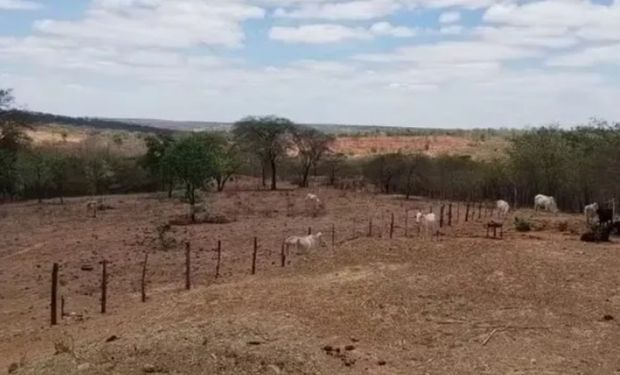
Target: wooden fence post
392,226
458,213
370,228
283,255
406,223
104,285
450,214
467,212
188,270
479,211
143,281
309,231
441,210
333,236
219,258
254,255
54,294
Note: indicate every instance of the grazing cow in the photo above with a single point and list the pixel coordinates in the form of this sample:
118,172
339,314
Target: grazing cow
428,223
313,203
304,243
545,202
590,211
502,208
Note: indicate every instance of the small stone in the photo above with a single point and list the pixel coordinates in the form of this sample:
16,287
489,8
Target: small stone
349,347
149,369
83,366
254,342
354,339
87,267
275,369
328,348
13,367
608,317
381,363
111,338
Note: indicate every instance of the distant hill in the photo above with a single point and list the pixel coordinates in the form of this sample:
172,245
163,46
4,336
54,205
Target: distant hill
40,118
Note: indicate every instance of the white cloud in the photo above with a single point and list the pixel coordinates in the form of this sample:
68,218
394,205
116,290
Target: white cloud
157,23
583,18
387,29
451,30
318,33
351,10
450,17
588,57
334,33
536,36
19,5
453,53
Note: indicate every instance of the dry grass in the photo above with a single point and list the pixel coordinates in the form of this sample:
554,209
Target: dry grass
534,303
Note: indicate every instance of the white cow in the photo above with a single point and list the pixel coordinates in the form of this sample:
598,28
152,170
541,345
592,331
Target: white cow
304,243
545,202
428,223
502,208
313,203
590,212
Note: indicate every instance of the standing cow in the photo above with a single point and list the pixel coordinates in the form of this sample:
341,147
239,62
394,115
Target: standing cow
546,203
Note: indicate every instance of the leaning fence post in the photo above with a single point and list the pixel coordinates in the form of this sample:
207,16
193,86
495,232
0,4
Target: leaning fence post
188,276
143,281
104,285
392,226
254,255
54,294
219,258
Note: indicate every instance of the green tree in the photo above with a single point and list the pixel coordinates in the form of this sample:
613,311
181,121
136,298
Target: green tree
311,146
34,171
193,162
155,162
12,139
269,138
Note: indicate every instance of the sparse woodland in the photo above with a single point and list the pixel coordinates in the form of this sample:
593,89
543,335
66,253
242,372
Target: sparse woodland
577,165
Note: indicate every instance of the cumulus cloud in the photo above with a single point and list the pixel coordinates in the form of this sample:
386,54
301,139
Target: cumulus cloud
166,58
334,33
157,23
352,10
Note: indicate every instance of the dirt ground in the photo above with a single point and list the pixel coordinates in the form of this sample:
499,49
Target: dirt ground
532,303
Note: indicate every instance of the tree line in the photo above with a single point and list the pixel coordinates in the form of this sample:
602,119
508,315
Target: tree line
577,166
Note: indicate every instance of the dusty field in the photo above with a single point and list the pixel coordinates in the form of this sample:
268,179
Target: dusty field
533,303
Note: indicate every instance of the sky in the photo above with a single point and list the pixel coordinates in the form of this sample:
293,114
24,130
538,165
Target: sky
426,63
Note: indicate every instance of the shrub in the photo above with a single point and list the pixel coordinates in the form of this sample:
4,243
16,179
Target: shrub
522,225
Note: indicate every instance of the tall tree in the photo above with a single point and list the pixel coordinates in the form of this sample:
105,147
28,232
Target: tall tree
12,140
269,138
192,160
154,160
311,146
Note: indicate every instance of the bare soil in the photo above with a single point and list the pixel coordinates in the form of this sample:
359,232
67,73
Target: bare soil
532,303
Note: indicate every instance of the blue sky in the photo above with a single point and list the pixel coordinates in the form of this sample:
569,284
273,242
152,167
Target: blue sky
432,63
